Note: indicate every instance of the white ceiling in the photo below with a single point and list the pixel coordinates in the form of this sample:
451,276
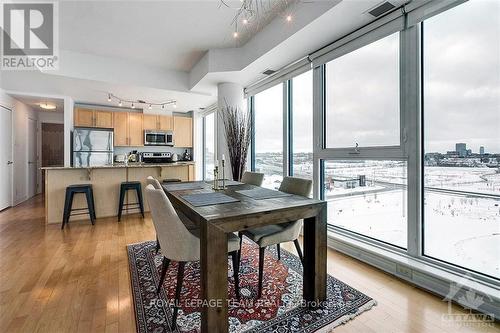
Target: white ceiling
168,34
160,50
35,101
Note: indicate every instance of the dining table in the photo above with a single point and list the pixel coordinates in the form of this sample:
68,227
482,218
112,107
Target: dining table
239,213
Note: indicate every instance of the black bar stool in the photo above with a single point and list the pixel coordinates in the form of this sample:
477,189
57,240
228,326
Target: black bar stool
124,187
68,202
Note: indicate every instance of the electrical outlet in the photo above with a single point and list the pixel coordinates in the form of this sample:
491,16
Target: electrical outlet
404,271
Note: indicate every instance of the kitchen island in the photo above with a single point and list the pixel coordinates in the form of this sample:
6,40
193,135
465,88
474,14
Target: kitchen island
105,182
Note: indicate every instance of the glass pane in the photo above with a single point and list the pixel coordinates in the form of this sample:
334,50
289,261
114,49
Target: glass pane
462,137
362,96
369,198
269,135
302,126
209,149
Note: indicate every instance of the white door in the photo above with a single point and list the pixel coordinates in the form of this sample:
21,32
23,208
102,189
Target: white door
6,160
32,158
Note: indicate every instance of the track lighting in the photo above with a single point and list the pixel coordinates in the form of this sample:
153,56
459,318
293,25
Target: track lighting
141,102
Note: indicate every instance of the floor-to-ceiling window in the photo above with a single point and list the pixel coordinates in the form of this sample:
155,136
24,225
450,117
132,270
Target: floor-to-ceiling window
268,135
301,134
461,111
209,145
428,188
366,194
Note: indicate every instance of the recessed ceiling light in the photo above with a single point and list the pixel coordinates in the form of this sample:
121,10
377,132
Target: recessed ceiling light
47,106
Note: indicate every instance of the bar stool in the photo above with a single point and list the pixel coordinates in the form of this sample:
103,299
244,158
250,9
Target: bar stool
68,202
124,187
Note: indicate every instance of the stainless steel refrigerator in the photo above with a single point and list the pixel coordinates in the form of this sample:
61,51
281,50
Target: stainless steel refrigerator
92,147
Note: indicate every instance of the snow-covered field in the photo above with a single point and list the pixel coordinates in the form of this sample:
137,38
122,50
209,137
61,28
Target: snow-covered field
459,229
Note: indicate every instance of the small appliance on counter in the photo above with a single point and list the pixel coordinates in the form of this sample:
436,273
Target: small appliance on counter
186,156
175,157
157,158
92,147
158,138
120,158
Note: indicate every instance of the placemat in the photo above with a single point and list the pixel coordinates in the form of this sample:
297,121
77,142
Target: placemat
228,182
184,186
207,199
263,193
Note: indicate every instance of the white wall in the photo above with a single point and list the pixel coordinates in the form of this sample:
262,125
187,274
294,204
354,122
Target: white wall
20,114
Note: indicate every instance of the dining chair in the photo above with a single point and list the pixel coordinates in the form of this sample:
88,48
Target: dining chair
253,178
180,244
150,180
279,233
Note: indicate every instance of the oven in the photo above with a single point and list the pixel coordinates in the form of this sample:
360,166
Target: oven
158,138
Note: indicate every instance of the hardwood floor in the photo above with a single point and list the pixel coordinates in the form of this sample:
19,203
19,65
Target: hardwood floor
77,280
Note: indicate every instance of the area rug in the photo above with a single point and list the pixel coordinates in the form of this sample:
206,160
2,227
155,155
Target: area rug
280,309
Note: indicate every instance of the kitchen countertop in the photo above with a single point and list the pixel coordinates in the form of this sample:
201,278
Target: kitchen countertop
123,165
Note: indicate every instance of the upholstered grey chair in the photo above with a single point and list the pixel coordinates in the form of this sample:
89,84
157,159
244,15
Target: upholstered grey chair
279,233
150,180
254,178
180,244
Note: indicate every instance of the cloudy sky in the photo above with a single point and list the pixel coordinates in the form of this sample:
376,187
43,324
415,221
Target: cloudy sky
461,89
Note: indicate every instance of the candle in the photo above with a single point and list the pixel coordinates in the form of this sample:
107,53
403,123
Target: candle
223,157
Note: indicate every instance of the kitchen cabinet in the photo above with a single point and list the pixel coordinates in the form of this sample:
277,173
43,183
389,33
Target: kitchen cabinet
93,118
157,122
128,129
135,129
83,117
150,121
183,132
165,123
120,120
103,119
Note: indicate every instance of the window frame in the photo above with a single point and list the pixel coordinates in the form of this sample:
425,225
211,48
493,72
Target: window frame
411,137
204,139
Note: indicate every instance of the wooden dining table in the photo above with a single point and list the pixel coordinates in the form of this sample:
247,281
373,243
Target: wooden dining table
217,221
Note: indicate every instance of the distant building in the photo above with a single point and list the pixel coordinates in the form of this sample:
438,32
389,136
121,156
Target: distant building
362,180
461,149
345,182
481,150
468,152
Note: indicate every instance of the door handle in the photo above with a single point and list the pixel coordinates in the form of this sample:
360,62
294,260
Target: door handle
10,162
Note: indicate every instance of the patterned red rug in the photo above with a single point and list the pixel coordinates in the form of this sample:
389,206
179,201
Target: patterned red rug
278,310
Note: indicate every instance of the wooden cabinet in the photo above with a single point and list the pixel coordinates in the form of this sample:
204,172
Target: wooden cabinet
121,128
83,117
129,126
183,132
103,119
128,129
93,118
156,122
191,174
150,121
165,123
135,130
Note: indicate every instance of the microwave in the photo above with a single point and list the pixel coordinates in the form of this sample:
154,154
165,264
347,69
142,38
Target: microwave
158,138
